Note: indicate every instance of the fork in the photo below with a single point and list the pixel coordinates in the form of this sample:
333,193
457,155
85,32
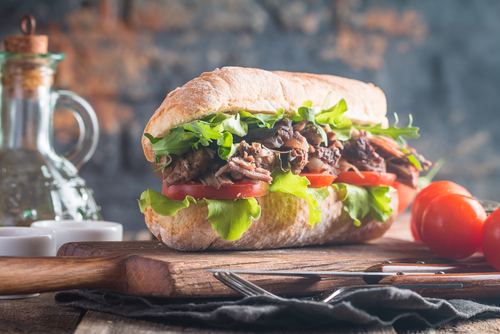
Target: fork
248,289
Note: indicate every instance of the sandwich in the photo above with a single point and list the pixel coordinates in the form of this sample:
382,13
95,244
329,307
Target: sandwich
254,159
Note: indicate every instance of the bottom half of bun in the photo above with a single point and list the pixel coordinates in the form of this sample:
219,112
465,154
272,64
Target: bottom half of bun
283,223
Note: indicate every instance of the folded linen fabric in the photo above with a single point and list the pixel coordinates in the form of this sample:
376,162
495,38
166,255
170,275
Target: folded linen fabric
382,306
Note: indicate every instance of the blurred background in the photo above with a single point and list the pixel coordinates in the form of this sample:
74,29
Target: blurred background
437,60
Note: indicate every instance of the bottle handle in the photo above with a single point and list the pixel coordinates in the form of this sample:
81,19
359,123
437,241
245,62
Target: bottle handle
87,121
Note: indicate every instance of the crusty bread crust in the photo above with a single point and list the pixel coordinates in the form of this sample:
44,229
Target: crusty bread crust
231,89
283,223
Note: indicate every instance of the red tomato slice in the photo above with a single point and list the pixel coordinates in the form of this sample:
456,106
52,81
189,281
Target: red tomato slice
242,189
319,180
405,195
366,178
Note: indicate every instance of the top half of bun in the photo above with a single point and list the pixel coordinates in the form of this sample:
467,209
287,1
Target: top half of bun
231,89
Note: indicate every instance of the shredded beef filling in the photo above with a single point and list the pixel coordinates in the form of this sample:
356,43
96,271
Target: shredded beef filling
294,148
406,174
362,155
209,179
252,161
188,167
328,155
282,135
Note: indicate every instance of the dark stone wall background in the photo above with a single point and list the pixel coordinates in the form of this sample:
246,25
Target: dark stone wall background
437,60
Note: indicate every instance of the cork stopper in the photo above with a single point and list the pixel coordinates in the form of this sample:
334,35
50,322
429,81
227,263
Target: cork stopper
28,42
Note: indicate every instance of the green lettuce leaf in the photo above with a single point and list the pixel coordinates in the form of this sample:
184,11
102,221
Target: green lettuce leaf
362,202
226,146
334,117
216,119
170,144
161,204
230,218
218,127
297,185
294,116
262,120
320,194
308,114
202,129
235,125
381,198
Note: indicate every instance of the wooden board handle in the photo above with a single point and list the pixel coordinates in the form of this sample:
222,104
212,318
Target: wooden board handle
474,285
22,275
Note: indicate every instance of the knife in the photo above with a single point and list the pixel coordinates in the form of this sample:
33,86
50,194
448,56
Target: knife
451,285
379,271
312,274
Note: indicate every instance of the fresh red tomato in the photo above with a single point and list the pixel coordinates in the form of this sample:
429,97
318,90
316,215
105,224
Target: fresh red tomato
426,195
405,195
414,232
319,180
199,191
366,178
452,226
491,239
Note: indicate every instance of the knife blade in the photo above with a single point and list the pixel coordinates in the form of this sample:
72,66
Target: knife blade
474,285
378,271
460,267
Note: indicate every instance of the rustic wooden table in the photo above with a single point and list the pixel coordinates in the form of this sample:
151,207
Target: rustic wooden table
42,315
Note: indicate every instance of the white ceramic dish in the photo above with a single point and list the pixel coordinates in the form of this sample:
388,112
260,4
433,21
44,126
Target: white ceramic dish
74,231
26,241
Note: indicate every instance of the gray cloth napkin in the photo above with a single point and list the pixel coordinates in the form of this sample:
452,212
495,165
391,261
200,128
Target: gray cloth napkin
382,306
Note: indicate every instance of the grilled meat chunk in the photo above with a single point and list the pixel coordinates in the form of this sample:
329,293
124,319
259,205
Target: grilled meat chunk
312,136
405,174
249,169
260,154
358,152
323,160
295,160
282,135
328,155
209,179
252,161
397,161
188,166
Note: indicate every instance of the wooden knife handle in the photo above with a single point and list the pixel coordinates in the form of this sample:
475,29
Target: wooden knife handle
23,275
474,285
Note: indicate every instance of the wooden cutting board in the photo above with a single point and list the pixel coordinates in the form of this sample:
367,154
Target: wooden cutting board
150,268
154,269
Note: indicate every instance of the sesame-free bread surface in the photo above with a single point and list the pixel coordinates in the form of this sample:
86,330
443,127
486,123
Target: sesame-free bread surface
282,223
231,89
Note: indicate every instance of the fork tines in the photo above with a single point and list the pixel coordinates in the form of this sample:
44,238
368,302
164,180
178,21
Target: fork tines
241,285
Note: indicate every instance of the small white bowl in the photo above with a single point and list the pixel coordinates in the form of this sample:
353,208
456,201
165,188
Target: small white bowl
26,241
87,230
